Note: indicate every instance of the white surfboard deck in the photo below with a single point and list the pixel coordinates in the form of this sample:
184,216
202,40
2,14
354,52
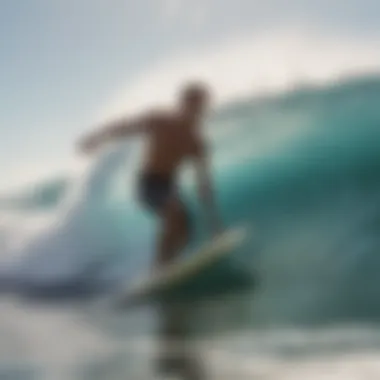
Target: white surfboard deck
177,272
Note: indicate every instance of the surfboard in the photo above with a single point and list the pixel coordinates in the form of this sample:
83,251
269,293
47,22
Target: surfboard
173,275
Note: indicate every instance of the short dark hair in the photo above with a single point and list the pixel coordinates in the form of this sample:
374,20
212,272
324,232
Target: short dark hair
194,90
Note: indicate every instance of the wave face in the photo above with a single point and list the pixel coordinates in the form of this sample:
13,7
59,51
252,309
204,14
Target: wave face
302,169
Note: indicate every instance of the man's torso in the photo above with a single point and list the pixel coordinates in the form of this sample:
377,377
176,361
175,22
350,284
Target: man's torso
170,143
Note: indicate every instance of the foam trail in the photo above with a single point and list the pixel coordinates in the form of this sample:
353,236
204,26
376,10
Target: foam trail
61,250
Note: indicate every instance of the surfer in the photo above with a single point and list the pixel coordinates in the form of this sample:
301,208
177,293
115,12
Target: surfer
173,138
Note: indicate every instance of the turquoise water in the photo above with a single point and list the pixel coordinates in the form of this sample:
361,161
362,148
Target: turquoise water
300,169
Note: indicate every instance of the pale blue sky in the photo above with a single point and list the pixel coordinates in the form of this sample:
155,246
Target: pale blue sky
62,61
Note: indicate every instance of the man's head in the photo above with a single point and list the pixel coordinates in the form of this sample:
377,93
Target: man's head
194,99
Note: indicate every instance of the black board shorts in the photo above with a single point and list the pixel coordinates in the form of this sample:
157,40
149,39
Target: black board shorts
155,190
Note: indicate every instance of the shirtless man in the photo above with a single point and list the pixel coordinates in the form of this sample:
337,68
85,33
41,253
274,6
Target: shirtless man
173,137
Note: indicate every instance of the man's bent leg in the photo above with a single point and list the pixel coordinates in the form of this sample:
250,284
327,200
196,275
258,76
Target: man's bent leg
175,232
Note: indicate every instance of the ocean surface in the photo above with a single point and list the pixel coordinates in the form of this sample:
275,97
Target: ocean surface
300,169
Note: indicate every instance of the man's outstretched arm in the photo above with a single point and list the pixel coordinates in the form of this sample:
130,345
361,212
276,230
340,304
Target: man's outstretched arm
121,128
